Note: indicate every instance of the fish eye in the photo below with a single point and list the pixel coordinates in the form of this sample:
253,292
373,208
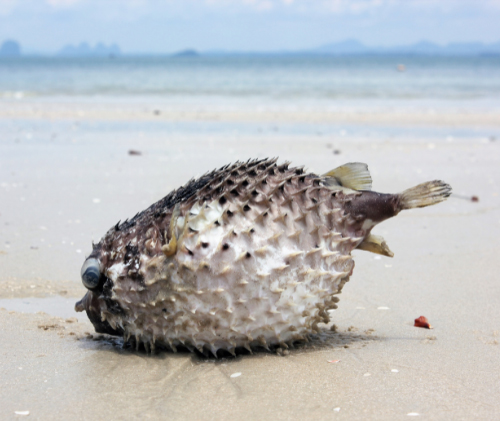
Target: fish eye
91,273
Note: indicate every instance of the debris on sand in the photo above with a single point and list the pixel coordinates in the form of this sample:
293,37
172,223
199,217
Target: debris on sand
422,322
470,198
22,412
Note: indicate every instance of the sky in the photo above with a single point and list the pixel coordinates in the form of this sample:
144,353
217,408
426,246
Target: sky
165,26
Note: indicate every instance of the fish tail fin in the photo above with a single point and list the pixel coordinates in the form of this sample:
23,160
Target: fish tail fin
425,194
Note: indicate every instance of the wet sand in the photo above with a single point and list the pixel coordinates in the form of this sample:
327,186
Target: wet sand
66,177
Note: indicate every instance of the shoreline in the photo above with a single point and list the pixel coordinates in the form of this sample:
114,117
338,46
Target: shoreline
458,114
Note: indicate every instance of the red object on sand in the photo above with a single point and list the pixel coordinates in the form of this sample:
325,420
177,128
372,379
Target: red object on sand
422,322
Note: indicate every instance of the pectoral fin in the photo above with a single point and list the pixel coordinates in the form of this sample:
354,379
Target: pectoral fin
170,248
376,244
354,175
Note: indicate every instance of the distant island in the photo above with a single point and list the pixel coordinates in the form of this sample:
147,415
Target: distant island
86,50
186,53
10,48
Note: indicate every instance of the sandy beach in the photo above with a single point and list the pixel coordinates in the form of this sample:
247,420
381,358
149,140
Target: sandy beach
66,176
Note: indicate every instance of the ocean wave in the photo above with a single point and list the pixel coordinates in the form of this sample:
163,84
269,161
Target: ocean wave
17,94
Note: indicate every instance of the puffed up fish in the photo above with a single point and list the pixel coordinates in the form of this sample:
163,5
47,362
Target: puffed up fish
250,255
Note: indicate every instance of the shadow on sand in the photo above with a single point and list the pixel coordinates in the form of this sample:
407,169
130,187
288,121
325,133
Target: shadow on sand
325,339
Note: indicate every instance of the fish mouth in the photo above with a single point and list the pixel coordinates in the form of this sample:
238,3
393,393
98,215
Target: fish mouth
82,305
91,304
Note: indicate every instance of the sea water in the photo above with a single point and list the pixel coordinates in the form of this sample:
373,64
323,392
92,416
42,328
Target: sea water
273,78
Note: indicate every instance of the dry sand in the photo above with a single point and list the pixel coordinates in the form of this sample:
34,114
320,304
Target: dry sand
66,177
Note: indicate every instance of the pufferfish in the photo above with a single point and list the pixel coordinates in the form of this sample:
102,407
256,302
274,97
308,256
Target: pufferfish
250,255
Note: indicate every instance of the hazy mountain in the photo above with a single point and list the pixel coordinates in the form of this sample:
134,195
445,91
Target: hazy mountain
85,50
353,46
422,47
473,48
10,48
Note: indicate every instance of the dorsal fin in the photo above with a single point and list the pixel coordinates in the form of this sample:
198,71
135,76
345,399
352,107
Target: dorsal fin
354,175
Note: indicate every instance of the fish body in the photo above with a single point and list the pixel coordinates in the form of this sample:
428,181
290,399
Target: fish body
253,254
